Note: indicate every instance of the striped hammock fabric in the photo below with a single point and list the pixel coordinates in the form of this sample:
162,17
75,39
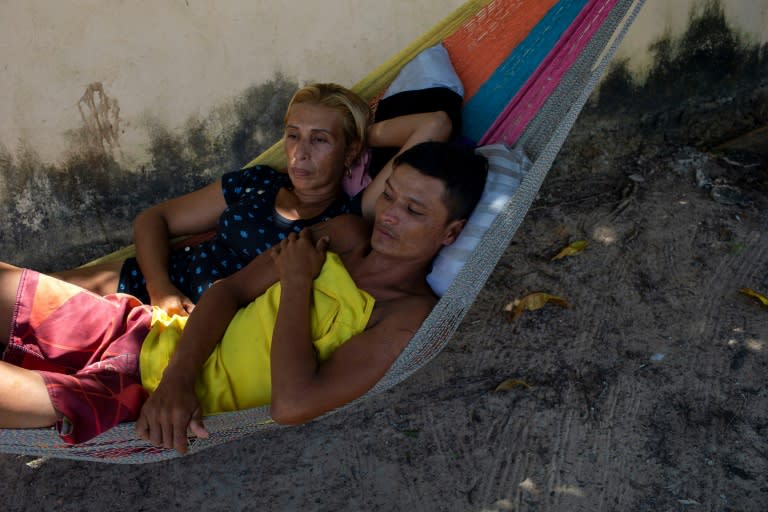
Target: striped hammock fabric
528,67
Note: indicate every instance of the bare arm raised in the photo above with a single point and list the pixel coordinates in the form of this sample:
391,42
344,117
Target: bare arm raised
403,132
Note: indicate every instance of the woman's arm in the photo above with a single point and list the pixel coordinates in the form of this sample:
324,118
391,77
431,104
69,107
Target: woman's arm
403,132
153,229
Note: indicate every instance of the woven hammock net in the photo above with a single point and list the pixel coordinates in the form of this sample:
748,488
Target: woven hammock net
528,68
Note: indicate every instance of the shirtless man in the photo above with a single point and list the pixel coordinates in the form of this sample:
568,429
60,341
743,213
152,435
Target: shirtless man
423,207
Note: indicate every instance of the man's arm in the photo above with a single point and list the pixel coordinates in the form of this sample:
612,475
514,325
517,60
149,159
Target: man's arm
173,406
303,388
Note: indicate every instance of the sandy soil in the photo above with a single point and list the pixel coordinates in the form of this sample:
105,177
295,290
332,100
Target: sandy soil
647,394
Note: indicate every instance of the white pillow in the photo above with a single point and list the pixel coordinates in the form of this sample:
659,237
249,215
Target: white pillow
506,168
432,67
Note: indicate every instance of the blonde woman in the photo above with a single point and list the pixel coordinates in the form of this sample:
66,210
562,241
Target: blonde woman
327,127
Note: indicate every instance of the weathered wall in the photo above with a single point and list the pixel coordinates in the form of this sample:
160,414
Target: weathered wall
661,18
175,58
108,107
100,98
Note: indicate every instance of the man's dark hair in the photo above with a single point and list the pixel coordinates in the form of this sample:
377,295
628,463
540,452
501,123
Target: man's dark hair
461,169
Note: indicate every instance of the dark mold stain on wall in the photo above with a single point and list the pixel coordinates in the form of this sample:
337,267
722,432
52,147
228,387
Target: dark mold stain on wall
101,119
710,67
59,216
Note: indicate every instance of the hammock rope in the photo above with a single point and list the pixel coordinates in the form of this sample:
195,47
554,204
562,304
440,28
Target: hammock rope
574,41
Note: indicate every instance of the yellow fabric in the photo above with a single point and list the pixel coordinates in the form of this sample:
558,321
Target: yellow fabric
237,374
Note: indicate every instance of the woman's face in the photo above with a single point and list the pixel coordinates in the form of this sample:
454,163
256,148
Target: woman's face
315,147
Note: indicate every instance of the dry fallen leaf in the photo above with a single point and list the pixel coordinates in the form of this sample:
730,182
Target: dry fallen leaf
512,384
752,293
572,248
532,302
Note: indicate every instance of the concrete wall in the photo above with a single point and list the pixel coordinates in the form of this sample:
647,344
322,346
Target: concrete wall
108,106
175,58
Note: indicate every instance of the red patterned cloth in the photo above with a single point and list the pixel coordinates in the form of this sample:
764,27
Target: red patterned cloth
86,348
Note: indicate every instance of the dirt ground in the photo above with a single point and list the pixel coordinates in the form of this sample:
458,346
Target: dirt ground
648,393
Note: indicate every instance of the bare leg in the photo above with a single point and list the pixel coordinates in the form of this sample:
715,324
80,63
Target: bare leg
24,399
9,283
101,279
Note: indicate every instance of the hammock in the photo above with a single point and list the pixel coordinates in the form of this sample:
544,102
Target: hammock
528,67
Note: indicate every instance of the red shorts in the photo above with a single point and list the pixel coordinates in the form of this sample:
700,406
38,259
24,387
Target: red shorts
86,348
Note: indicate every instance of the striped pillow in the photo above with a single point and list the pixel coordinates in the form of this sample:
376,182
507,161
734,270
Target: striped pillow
506,168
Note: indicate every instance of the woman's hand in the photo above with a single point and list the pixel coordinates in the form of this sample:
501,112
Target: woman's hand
170,299
298,259
168,413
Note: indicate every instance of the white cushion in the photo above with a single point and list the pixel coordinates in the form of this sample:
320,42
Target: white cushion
506,168
430,68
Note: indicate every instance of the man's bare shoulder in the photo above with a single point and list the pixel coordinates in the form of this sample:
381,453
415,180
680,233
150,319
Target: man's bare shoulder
392,325
404,313
347,221
346,232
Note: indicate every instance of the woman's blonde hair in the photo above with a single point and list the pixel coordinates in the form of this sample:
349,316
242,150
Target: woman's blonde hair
354,110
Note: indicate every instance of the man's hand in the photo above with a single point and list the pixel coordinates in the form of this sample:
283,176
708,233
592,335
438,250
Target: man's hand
298,258
168,413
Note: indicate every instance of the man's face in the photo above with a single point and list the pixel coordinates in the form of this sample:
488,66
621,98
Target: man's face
412,217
